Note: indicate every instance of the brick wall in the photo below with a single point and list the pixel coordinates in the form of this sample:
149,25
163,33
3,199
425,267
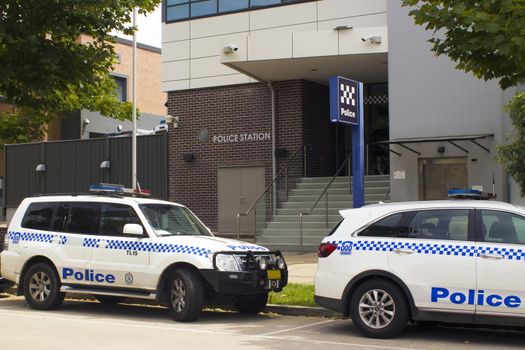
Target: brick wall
241,109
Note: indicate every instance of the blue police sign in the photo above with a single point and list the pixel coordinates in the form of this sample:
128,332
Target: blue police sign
345,100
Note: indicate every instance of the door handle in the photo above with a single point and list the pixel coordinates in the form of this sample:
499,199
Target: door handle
403,251
492,256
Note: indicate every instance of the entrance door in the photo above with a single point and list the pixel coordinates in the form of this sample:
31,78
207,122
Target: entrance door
438,175
239,188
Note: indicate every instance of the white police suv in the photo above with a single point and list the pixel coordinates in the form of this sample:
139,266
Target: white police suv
116,246
460,261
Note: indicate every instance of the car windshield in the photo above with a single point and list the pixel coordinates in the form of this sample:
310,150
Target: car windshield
172,220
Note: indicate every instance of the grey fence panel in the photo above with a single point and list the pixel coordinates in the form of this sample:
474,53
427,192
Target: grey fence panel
20,165
71,166
74,165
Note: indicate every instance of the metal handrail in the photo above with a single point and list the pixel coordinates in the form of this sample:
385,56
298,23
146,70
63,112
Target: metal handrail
324,193
300,150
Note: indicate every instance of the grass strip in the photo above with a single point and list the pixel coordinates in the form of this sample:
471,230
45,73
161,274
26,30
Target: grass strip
294,294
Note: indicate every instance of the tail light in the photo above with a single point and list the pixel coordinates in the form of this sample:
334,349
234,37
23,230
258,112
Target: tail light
325,249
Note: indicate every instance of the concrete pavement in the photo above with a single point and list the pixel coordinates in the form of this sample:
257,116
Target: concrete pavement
301,267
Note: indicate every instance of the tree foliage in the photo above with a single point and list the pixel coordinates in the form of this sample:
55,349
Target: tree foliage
486,38
46,70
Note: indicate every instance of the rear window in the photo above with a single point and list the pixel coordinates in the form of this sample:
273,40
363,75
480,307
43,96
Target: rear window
38,216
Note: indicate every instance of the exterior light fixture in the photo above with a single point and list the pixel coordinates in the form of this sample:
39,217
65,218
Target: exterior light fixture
86,121
345,27
40,168
106,164
173,120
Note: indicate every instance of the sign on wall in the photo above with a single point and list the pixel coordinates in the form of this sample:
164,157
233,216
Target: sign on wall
345,104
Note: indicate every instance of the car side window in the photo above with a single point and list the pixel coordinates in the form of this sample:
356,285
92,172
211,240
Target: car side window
38,216
446,224
386,227
83,217
114,216
503,227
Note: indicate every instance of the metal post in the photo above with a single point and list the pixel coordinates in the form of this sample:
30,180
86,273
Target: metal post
326,208
286,182
349,174
134,104
239,226
301,232
367,161
304,161
255,224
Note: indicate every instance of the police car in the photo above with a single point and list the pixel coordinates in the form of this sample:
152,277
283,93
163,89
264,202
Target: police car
114,244
460,261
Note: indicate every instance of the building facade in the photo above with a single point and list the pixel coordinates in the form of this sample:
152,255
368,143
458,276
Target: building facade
248,82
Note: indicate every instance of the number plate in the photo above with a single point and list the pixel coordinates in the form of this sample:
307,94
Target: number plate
274,274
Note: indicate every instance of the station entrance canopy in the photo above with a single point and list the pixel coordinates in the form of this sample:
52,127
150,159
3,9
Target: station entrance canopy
448,139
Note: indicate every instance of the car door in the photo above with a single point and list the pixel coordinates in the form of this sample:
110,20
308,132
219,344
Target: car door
122,261
500,263
435,258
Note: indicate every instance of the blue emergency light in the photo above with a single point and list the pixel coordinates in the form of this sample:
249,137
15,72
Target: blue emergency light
120,189
469,194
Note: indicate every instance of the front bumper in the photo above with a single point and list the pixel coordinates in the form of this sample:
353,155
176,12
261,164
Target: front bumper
243,283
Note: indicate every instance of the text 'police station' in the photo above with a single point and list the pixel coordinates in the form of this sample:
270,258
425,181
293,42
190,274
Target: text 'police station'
247,137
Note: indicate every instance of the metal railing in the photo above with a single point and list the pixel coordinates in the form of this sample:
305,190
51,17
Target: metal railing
325,194
283,172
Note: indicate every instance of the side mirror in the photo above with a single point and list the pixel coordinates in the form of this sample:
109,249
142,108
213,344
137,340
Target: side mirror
133,230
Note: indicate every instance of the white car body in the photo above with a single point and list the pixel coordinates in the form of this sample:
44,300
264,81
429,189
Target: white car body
468,275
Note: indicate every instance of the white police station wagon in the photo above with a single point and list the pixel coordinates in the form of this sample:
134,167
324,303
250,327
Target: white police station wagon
116,246
460,261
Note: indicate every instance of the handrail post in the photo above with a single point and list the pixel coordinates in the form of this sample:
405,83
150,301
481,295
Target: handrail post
349,175
255,224
304,161
301,232
239,226
326,208
286,183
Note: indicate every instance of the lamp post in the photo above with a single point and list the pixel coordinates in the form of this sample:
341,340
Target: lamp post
134,103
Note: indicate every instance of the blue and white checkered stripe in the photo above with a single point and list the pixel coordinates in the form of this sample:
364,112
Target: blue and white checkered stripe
432,248
115,244
36,237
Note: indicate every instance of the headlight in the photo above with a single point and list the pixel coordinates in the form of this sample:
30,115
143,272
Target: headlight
262,263
225,262
279,262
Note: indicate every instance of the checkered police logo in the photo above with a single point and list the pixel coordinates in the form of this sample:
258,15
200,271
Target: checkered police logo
348,95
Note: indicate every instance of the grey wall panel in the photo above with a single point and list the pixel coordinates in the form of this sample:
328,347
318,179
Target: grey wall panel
21,162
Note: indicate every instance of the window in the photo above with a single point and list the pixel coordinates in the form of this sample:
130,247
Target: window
113,217
502,227
38,216
447,224
180,10
387,227
121,90
60,220
82,217
172,220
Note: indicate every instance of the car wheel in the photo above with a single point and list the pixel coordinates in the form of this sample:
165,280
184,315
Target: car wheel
109,300
42,287
252,305
379,309
186,295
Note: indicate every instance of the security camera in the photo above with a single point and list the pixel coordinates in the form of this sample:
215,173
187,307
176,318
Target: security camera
374,39
173,120
86,121
230,48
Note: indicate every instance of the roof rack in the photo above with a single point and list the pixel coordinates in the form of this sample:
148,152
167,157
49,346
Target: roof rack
103,189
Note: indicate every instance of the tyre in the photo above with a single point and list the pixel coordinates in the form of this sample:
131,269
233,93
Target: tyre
379,309
42,287
108,299
253,305
186,295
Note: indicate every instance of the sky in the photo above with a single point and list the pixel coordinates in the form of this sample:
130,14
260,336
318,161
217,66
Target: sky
149,29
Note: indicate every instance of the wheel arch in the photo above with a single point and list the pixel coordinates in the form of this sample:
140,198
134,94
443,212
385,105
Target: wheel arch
377,274
164,277
27,265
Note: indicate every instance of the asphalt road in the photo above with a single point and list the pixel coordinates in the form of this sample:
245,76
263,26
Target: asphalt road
82,325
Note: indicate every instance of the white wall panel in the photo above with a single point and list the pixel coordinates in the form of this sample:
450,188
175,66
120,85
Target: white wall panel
175,85
307,27
213,26
209,66
219,81
175,31
177,70
350,41
213,46
309,44
378,20
331,9
270,46
175,50
283,16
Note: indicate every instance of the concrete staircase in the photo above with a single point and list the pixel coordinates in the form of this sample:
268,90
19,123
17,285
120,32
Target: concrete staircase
283,231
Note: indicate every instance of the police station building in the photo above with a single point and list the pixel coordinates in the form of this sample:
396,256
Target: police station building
248,87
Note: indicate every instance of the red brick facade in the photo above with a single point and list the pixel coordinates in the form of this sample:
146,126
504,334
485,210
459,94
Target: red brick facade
301,118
